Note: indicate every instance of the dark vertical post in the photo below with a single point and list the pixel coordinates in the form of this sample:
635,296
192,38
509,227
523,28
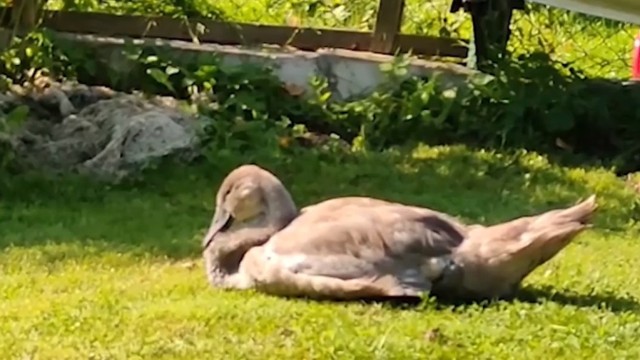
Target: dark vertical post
387,27
24,14
491,21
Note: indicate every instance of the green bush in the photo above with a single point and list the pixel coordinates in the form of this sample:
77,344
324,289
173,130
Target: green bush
529,104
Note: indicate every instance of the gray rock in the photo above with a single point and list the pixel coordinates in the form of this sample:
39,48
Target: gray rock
109,138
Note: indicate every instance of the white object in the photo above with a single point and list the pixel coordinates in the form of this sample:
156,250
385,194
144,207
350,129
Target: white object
621,10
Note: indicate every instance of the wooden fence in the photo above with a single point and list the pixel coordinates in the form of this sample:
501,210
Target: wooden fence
385,38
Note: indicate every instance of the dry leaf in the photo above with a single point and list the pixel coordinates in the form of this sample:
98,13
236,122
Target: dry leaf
433,335
293,20
563,145
189,265
293,89
284,141
40,81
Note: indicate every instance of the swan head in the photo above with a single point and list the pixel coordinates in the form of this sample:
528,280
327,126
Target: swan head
252,205
250,198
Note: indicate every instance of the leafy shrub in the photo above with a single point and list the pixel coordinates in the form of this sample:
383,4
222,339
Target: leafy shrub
10,122
175,8
534,105
26,56
530,103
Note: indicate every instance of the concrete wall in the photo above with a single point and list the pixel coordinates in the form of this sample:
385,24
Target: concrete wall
350,73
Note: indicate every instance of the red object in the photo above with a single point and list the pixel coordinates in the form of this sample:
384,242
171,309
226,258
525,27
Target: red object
635,59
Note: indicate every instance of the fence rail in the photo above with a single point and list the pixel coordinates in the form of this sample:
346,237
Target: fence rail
591,45
384,39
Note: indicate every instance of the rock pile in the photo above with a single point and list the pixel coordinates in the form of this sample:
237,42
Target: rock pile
72,127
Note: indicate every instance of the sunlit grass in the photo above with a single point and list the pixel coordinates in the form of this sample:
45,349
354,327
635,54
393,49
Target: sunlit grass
96,271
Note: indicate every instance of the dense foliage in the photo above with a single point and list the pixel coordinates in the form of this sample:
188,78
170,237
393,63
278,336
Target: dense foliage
529,104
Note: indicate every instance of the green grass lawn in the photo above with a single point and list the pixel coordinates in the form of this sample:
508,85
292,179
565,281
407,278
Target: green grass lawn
89,271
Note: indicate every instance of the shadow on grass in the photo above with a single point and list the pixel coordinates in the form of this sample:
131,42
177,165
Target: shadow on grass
165,211
530,294
609,301
541,294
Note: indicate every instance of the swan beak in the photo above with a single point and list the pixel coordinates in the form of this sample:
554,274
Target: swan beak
221,221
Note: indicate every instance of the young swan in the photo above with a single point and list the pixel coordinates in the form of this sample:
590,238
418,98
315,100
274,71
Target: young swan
493,260
356,247
251,206
362,248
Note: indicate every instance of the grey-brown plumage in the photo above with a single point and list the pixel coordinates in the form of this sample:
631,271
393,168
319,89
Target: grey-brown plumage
357,247
494,260
356,250
251,206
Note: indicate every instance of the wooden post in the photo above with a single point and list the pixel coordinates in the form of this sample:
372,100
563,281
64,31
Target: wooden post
24,14
387,27
491,21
